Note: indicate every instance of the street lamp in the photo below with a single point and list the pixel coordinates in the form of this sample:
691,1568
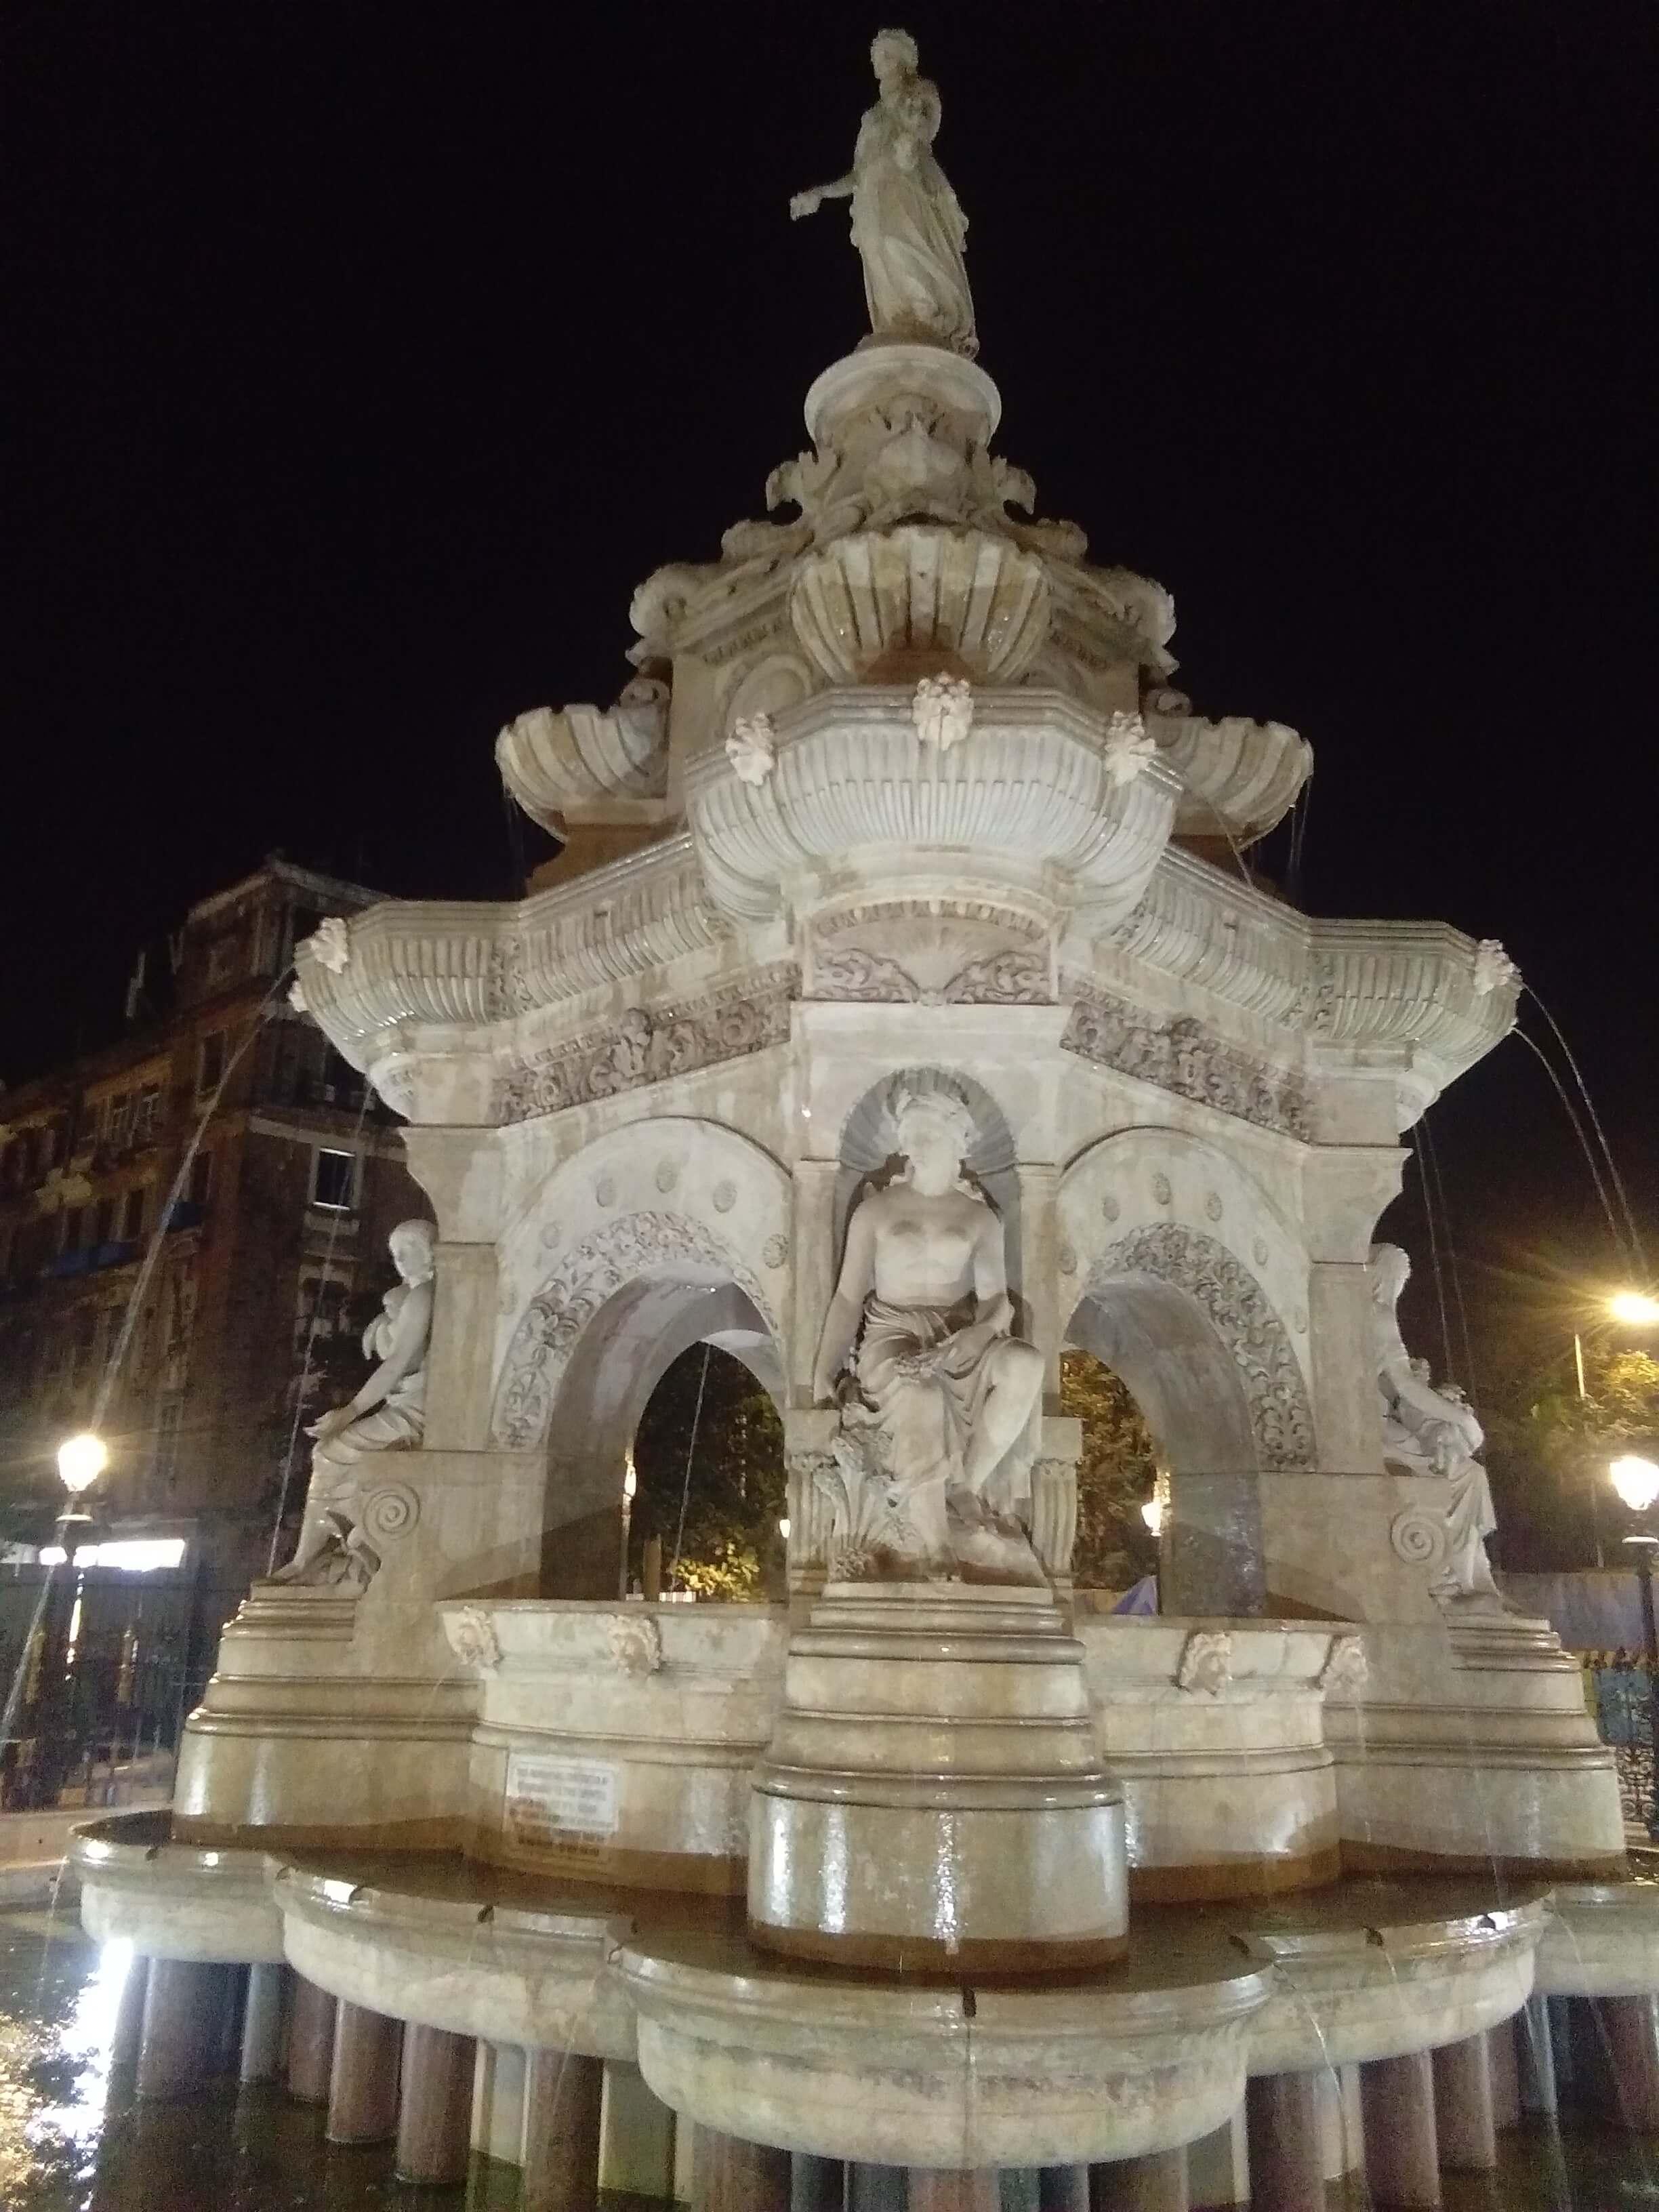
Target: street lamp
1153,1514
1635,1309
1637,1481
630,1483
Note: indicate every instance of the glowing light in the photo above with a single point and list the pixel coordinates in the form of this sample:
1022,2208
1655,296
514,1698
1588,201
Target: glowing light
783,1528
1637,1481
81,1461
135,1555
1635,1309
1153,1514
630,1480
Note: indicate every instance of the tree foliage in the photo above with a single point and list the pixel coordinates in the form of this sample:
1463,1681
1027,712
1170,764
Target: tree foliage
711,1437
1548,1451
1115,1476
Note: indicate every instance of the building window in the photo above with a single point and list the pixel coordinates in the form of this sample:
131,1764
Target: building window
210,1070
103,1220
322,1310
164,1458
201,1178
120,1121
132,1215
72,1221
221,960
149,1106
334,1179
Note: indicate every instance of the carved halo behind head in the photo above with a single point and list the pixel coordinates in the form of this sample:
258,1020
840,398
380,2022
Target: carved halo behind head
944,1108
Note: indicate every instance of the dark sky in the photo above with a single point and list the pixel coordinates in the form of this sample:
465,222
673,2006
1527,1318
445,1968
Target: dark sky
362,358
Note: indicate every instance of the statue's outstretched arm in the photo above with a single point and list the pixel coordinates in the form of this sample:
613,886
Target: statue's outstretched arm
809,201
840,1322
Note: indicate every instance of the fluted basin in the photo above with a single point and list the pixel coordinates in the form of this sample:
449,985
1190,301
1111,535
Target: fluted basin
882,601
1027,798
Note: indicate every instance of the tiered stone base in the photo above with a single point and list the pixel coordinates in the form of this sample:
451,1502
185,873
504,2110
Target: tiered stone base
932,1797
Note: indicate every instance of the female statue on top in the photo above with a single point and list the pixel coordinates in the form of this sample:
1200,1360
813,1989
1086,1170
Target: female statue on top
907,225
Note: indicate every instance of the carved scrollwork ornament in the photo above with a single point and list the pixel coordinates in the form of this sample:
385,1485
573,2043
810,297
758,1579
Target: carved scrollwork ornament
391,1512
1419,1537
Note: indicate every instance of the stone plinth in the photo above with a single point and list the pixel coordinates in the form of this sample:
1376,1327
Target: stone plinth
933,1795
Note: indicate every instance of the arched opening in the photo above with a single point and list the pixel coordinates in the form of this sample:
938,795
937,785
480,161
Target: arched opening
1166,1351
709,1496
625,1351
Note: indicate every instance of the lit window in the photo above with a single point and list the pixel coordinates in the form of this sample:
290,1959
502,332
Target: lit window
334,1180
137,1555
210,1071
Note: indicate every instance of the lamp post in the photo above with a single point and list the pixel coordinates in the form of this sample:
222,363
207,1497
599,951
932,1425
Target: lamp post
630,1483
1632,1310
1637,1481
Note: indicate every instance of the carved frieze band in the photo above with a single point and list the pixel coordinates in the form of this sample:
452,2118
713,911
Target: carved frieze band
1182,1056
592,1272
1017,976
648,1044
1281,1419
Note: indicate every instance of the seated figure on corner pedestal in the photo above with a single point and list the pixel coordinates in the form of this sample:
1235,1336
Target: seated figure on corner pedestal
1433,1430
388,1414
934,1463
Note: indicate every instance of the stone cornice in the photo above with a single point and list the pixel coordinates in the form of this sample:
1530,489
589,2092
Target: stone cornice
1029,793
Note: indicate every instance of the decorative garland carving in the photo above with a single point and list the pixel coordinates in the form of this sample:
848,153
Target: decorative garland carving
590,1272
1281,1419
1182,1056
1016,976
648,1045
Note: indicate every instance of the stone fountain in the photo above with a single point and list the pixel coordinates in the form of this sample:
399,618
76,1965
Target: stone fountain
901,1009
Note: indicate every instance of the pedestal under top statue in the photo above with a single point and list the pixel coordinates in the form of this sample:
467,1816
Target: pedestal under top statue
923,1292
907,225
388,1414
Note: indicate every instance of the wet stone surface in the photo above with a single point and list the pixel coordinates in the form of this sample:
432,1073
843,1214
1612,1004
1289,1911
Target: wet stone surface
74,2139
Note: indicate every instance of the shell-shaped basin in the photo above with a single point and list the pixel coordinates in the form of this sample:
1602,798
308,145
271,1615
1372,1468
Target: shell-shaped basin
880,605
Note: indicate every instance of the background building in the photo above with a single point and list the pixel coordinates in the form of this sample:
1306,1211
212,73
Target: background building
224,1118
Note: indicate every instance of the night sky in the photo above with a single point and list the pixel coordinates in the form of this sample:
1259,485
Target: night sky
360,360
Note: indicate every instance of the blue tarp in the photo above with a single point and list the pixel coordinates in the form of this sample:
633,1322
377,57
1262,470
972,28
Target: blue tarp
1596,1609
